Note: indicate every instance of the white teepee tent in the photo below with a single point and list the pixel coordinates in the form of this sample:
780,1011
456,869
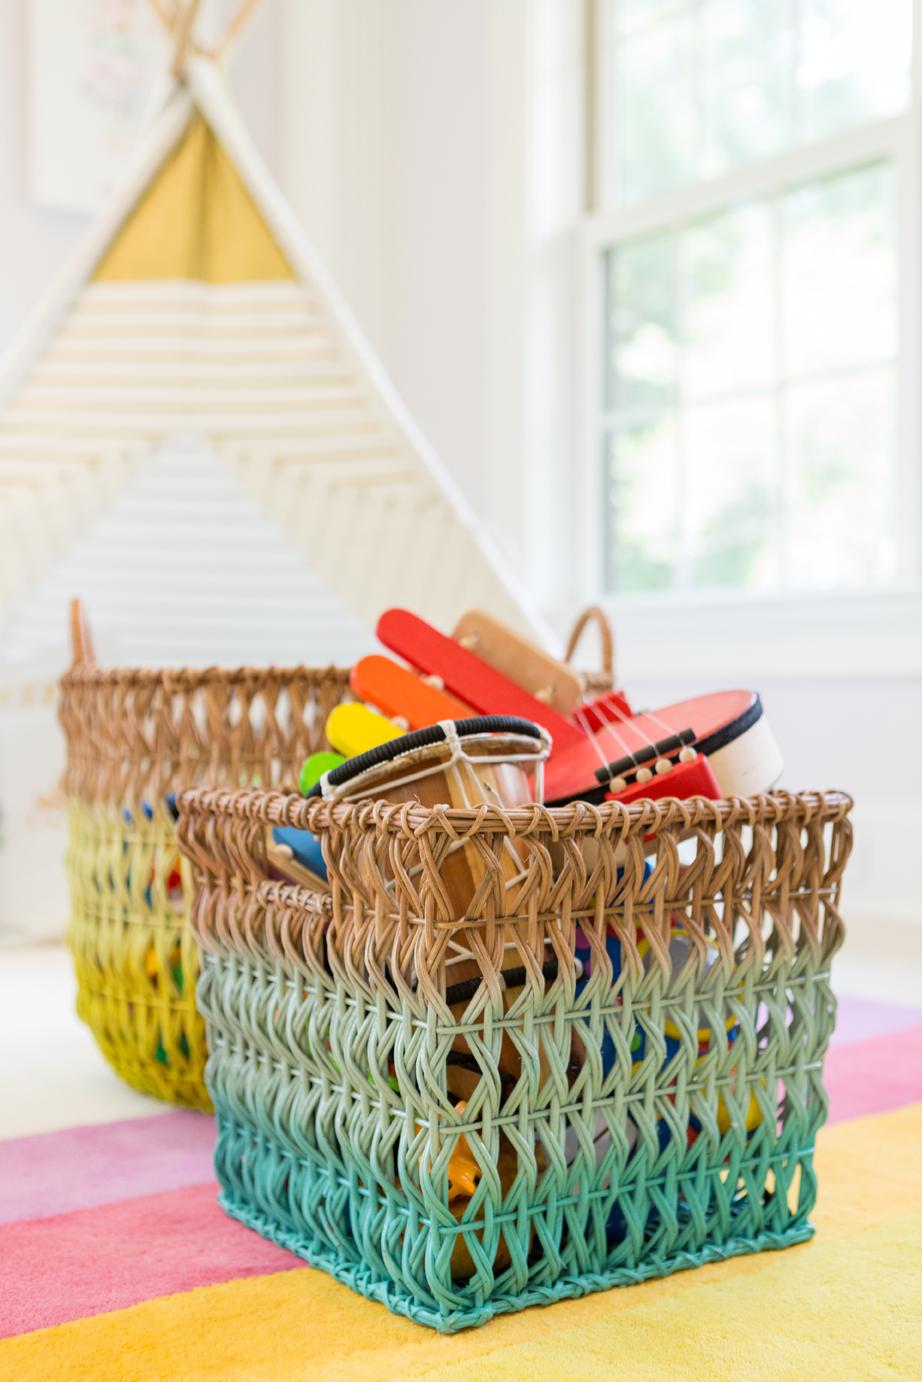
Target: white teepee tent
196,304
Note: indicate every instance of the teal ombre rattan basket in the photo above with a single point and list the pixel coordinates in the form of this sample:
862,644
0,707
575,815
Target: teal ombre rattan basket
640,1082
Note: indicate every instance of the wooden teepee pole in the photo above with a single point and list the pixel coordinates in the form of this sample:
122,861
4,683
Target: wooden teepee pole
166,13
233,30
182,34
179,21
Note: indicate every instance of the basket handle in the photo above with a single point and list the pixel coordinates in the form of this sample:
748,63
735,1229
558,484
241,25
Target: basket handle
608,645
80,638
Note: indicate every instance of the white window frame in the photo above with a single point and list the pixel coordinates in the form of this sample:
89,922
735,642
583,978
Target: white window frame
898,139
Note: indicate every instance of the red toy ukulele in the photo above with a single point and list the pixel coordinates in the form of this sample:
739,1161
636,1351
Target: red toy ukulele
728,727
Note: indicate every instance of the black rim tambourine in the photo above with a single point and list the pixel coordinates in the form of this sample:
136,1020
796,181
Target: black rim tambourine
422,738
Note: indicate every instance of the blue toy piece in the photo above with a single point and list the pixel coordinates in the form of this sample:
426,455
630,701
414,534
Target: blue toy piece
304,846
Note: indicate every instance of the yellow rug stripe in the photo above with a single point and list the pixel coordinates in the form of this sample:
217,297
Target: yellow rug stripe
846,1309
196,221
842,1306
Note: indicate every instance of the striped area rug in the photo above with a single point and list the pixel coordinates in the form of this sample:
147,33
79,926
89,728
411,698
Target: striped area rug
116,1262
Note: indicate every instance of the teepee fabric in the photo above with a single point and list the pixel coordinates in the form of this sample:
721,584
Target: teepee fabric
161,570
198,306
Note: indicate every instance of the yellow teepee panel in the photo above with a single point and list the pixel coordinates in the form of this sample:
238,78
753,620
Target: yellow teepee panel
195,221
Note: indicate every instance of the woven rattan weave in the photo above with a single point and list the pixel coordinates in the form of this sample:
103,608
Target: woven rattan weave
132,738
660,1115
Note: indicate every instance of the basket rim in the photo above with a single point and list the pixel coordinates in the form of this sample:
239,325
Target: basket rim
194,676
406,819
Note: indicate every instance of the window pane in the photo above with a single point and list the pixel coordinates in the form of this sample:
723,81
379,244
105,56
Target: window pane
642,349
840,461
694,90
654,109
727,303
854,63
642,478
751,394
840,272
748,82
729,509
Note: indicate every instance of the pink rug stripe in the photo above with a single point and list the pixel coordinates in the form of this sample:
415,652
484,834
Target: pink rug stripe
859,1019
77,1168
97,1260
874,1076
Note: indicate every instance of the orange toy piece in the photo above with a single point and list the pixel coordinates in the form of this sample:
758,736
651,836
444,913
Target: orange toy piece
463,1171
397,691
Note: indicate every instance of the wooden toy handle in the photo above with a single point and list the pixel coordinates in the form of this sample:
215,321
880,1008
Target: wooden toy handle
595,681
81,642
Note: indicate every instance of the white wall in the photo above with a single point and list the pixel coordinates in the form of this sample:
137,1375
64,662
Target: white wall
33,242
390,108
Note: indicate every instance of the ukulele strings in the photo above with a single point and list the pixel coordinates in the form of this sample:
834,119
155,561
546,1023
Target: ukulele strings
618,717
582,720
611,715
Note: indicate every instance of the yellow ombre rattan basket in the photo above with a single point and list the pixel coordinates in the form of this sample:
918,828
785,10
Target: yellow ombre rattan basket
134,737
